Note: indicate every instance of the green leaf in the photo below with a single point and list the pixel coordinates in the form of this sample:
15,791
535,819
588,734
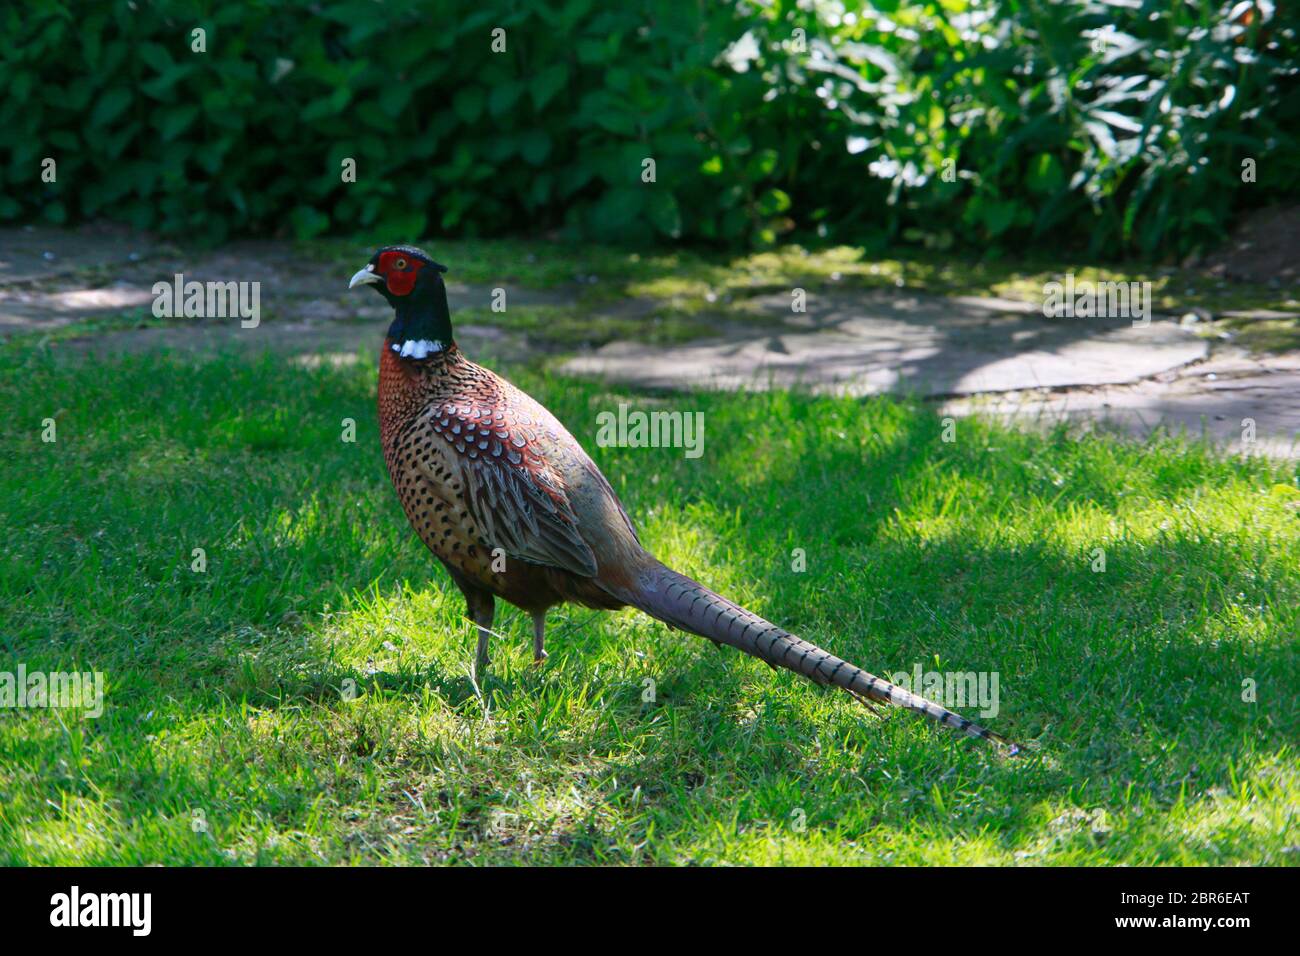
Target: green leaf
761,164
998,215
404,222
614,119
664,213
327,106
1045,174
591,51
468,103
156,56
535,146
618,79
308,222
394,102
174,120
503,97
549,82
618,209
734,223
773,202
110,106
741,145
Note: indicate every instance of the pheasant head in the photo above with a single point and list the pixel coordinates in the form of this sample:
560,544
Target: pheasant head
412,284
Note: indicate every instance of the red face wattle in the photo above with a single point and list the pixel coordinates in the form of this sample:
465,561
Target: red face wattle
399,271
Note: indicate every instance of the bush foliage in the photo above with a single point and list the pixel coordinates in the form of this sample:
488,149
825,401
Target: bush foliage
1117,127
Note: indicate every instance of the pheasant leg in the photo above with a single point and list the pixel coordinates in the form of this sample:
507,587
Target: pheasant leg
482,609
539,638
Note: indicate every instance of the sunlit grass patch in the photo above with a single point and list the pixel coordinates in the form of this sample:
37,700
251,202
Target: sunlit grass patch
306,698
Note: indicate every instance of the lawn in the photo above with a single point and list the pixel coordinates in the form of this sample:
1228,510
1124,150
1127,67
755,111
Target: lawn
306,698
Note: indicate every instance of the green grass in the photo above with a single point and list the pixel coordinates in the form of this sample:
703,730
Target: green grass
226,689
564,328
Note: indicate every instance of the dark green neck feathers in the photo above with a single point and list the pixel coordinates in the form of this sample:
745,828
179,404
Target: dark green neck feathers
423,316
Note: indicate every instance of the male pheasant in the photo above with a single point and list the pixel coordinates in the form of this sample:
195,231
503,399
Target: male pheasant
509,502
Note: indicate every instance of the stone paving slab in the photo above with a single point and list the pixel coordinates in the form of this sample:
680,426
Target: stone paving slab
1215,399
871,344
31,253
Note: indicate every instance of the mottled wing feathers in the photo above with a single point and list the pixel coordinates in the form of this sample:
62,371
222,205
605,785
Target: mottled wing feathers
512,492
517,516
604,484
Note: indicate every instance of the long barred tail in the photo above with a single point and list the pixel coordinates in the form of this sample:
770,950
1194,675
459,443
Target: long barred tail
677,600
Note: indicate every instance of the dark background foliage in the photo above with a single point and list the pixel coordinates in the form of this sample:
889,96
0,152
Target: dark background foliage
1112,127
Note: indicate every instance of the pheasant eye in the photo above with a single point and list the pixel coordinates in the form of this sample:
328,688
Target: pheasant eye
399,264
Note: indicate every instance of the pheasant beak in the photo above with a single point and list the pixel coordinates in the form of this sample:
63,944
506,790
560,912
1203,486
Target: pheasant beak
366,276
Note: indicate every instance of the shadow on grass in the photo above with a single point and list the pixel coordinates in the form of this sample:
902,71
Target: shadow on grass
232,694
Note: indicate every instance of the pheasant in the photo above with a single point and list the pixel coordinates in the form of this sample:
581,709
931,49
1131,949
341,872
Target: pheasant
514,508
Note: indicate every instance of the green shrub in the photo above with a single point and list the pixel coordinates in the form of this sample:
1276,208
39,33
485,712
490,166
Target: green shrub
757,131
1118,127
